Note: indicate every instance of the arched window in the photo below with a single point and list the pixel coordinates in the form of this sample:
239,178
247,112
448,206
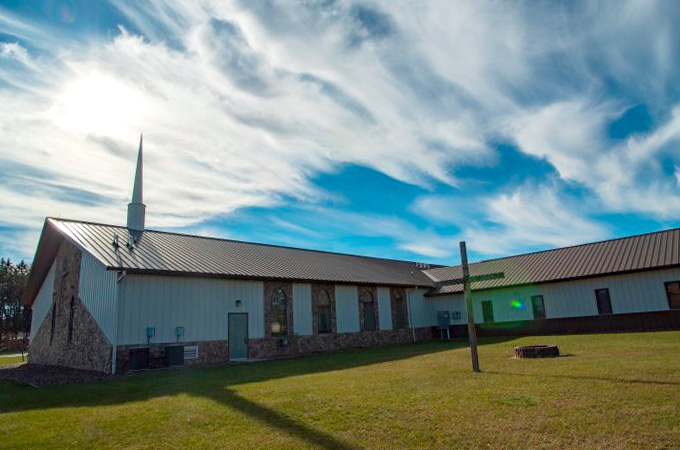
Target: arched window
369,310
279,313
323,304
400,312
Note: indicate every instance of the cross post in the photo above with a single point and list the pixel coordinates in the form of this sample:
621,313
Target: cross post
467,294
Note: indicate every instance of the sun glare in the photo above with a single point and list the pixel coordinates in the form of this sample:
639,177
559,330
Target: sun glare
98,104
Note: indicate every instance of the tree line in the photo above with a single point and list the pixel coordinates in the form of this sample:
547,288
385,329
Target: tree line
15,317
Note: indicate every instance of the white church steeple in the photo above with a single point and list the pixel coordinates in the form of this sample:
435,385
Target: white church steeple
137,208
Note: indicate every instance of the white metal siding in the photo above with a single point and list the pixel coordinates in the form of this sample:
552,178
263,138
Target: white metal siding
302,309
451,303
384,308
200,305
97,291
629,293
420,310
347,308
43,301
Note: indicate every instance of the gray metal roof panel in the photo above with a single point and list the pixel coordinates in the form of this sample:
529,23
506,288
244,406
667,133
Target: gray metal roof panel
161,252
172,253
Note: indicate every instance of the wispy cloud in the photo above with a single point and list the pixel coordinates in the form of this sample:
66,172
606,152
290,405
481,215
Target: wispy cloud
244,103
530,217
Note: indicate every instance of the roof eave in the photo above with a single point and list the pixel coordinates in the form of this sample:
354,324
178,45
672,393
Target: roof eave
150,272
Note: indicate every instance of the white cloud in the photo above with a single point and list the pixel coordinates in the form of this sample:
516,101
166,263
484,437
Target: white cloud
244,103
528,217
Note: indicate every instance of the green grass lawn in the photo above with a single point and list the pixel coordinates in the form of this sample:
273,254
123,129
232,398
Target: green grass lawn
7,360
612,391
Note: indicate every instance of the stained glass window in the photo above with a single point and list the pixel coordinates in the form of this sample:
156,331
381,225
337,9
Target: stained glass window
279,313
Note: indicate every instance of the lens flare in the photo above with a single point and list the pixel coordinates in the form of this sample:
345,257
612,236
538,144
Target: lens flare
517,304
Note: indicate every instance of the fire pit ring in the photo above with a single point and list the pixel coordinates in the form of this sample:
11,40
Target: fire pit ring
537,351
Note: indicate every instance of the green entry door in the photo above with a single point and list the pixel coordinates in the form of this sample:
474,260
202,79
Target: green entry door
238,336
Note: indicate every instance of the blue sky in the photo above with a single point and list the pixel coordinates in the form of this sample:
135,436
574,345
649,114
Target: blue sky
385,128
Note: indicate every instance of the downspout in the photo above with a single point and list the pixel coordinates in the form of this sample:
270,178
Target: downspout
114,350
410,315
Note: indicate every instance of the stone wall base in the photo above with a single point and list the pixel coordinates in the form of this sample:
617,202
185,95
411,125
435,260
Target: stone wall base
325,343
217,352
209,352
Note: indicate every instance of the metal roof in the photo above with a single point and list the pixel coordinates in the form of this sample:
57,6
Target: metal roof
166,253
171,253
656,250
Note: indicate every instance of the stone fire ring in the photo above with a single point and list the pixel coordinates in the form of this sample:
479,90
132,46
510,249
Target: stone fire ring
537,351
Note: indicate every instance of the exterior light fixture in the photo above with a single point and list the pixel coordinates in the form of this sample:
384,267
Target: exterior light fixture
238,303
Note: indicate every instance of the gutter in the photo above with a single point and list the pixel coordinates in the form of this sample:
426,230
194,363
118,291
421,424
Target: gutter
410,314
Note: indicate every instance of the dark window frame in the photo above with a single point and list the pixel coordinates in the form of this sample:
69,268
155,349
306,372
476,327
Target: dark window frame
485,318
603,311
279,314
324,310
535,309
668,294
369,306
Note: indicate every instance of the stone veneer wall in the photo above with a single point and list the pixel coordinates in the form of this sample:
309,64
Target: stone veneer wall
209,352
324,343
217,352
88,348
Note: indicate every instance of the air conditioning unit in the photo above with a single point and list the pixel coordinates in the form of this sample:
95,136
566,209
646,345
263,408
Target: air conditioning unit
174,355
139,358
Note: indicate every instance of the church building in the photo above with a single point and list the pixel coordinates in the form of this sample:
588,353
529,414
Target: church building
118,298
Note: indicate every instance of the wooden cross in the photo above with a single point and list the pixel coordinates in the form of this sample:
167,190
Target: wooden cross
467,292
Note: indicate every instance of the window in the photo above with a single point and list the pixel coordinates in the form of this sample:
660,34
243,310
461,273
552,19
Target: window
538,306
279,313
487,311
401,313
673,293
70,321
604,302
323,304
369,310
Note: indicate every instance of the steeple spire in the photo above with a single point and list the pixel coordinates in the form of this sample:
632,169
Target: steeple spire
136,207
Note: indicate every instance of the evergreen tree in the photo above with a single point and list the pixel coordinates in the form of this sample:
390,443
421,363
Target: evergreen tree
15,317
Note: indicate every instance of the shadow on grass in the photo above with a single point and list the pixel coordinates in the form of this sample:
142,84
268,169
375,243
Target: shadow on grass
201,381
216,383
273,419
588,378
